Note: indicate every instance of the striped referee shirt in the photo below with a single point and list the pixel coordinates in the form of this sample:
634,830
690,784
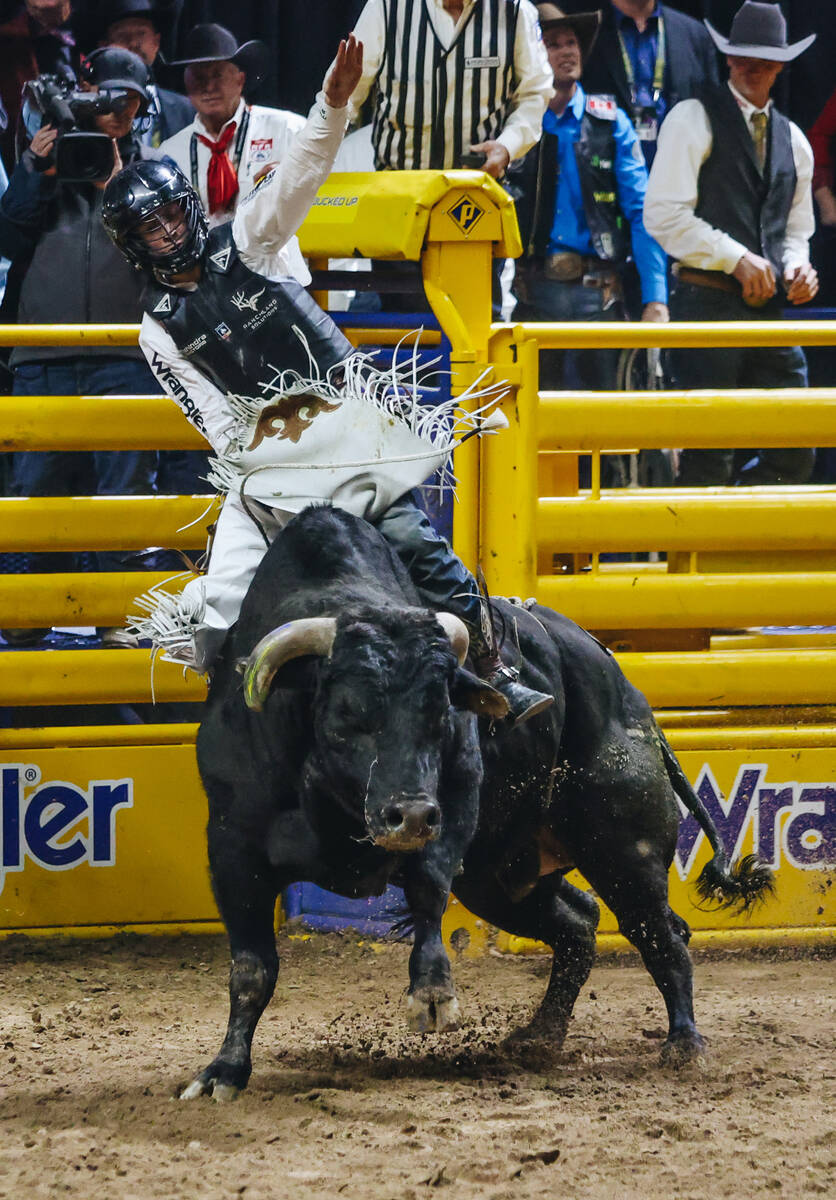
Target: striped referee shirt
437,86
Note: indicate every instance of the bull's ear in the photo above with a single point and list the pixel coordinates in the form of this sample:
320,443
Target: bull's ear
470,692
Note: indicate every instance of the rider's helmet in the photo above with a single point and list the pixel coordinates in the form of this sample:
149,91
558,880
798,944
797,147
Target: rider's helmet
155,218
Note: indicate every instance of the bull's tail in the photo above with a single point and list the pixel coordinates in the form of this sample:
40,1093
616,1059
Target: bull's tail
721,884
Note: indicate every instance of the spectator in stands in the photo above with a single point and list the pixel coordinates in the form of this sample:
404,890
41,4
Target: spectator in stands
139,25
230,144
823,142
35,40
649,56
4,262
449,83
74,273
580,197
729,197
452,78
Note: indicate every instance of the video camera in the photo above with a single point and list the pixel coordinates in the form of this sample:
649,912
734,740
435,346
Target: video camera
82,154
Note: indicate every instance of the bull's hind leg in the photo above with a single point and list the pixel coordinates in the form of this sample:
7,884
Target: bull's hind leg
636,889
246,892
559,914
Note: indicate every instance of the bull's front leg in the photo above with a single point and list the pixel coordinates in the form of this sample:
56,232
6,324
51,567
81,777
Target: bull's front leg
428,877
245,889
431,1001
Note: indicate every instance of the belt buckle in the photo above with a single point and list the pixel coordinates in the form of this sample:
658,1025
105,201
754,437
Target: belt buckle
563,267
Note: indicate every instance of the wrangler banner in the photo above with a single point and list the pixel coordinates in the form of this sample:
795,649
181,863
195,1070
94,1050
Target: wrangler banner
127,848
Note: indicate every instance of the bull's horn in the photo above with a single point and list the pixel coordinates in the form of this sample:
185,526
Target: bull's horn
456,631
309,635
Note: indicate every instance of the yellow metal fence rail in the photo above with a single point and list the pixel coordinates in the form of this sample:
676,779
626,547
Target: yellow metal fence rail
734,556
727,705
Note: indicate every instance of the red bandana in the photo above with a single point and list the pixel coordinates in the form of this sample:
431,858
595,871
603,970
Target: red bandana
221,181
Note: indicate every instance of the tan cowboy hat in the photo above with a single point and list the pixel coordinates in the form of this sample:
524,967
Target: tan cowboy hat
584,25
759,31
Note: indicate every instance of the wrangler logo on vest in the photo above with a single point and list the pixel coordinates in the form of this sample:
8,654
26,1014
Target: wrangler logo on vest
296,413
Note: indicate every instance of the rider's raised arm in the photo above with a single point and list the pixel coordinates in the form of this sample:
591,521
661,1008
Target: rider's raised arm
269,216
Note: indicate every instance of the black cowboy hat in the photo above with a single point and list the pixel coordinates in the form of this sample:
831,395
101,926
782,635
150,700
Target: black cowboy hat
161,14
215,43
759,31
584,24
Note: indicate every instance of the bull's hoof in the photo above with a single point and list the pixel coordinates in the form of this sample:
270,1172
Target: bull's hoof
543,1035
222,1081
684,1050
429,1010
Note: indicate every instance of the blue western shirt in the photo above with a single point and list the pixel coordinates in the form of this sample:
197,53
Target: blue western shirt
642,49
569,228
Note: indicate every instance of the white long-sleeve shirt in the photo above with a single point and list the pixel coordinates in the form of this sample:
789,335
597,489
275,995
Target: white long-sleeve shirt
270,133
685,142
264,228
352,430
534,76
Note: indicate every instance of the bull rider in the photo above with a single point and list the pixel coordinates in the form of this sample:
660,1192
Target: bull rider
224,317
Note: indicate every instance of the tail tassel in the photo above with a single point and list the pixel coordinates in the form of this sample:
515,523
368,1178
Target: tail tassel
742,886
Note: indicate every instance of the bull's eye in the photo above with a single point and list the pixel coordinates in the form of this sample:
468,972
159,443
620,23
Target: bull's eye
357,719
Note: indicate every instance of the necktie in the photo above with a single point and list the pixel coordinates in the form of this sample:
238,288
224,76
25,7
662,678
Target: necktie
221,180
759,123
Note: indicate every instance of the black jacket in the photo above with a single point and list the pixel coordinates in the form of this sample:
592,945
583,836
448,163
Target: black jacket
69,270
691,58
176,112
533,183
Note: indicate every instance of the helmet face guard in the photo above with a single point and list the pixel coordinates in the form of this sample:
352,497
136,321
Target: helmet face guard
131,212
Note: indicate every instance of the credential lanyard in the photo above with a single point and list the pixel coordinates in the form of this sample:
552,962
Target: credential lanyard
237,149
658,70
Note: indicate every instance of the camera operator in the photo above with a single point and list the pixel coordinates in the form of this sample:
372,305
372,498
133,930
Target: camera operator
70,272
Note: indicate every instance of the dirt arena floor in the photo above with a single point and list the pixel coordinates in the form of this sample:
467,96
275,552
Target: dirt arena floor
98,1037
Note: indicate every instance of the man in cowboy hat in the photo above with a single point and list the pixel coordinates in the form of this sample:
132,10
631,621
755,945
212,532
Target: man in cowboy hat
649,56
230,144
730,198
580,193
139,26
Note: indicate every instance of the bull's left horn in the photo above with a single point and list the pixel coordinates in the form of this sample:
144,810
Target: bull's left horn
456,631
308,635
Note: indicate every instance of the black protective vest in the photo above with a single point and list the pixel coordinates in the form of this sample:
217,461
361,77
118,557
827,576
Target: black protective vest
240,328
534,186
733,194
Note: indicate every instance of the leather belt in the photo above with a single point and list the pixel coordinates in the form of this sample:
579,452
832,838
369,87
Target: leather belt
710,279
717,280
565,266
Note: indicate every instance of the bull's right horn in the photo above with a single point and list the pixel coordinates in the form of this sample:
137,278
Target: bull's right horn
308,635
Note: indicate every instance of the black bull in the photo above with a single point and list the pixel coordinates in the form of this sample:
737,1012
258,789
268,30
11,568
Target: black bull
349,755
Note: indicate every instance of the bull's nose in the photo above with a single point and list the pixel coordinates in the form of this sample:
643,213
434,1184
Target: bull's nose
412,817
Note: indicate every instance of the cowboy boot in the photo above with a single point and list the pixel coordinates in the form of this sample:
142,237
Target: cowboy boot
523,702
